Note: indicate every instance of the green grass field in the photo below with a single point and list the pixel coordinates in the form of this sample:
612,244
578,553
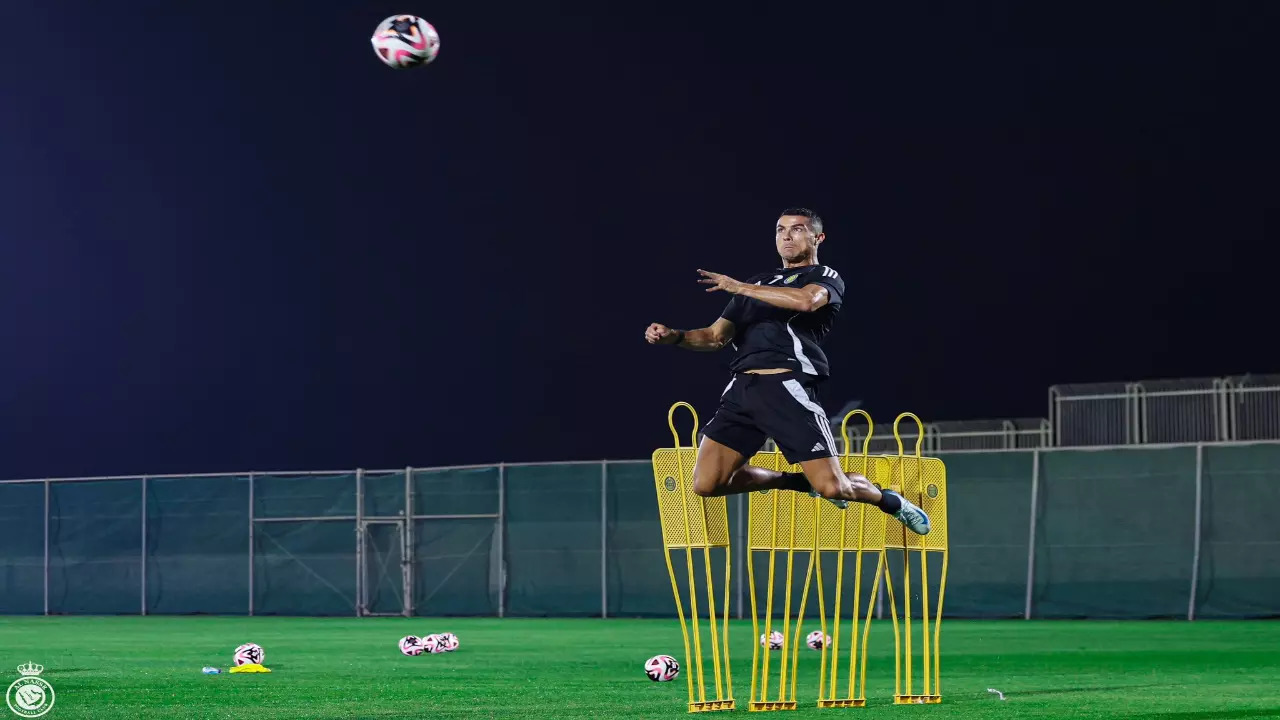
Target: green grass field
134,667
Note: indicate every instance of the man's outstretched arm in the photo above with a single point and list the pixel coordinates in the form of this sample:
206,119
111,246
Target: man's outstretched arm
707,339
806,299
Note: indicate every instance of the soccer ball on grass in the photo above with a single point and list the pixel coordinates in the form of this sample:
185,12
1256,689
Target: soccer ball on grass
818,640
249,654
662,668
449,641
433,644
773,640
411,645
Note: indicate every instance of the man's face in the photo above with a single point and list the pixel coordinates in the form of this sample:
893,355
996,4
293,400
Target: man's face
795,238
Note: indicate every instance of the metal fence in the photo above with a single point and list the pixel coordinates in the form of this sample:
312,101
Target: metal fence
1130,531
1252,407
948,436
1188,410
1183,410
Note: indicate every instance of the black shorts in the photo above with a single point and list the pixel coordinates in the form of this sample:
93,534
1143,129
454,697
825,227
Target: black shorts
783,407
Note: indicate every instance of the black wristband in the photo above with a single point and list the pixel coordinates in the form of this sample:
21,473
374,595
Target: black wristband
679,339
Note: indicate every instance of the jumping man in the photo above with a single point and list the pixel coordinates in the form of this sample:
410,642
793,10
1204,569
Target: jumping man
776,322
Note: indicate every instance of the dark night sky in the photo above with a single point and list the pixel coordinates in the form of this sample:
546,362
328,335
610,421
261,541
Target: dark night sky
231,239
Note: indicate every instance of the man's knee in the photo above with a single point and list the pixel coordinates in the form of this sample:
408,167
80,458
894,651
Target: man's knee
708,480
859,482
714,467
830,491
826,483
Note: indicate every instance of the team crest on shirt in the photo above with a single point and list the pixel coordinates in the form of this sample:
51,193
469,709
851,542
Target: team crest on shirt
791,279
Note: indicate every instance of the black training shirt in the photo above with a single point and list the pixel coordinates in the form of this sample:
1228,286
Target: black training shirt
767,336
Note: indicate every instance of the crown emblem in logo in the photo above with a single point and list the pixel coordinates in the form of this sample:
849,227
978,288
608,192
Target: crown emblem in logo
30,669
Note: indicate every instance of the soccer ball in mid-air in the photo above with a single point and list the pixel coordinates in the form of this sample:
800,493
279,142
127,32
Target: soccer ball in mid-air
773,640
817,640
411,645
661,668
405,41
249,654
433,644
449,641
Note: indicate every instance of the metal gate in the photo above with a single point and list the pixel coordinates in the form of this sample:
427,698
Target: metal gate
383,580
384,556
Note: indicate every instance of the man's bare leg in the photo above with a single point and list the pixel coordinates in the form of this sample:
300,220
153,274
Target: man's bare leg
832,483
720,470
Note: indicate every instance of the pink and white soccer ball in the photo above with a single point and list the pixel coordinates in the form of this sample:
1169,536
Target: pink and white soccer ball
449,641
405,41
249,654
411,645
433,644
773,640
817,640
662,668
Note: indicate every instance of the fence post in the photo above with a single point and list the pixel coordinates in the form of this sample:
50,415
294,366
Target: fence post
47,512
1229,410
1031,542
502,539
360,589
1055,417
406,547
1136,433
604,538
142,560
1195,555
250,544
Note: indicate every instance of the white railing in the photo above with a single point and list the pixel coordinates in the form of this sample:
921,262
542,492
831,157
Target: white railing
1023,433
1098,414
1252,407
1187,410
1151,412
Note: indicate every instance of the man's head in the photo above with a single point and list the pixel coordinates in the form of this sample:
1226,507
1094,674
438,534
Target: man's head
798,235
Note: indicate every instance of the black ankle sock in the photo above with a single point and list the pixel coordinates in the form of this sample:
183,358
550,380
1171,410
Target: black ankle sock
796,481
889,502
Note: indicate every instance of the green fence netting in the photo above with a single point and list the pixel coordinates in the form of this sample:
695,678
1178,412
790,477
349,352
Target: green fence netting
95,547
638,585
198,545
317,495
458,568
988,509
22,560
1115,533
1240,542
553,549
304,568
1115,537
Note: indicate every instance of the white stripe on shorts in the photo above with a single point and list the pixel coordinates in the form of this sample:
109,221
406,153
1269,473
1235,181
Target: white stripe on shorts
797,391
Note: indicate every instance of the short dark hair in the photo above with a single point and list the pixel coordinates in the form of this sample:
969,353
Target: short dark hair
815,222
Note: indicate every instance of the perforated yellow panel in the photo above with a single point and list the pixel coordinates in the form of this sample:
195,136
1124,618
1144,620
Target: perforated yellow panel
780,520
923,481
688,520
785,520
864,524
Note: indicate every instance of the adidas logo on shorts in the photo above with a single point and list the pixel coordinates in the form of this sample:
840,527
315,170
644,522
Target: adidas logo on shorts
816,447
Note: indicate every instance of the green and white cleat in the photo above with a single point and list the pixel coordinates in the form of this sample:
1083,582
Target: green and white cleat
912,516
